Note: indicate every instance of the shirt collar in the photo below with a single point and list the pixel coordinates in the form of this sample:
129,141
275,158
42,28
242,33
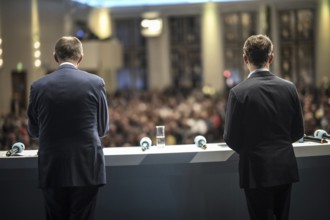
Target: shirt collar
68,63
257,70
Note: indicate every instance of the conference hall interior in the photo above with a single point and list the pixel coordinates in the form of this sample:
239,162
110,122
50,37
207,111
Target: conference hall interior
166,63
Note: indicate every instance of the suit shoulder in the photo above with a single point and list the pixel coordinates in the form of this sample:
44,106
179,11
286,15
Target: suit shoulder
241,86
93,77
285,82
41,81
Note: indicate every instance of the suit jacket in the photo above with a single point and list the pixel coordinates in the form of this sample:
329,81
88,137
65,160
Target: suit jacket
68,113
263,119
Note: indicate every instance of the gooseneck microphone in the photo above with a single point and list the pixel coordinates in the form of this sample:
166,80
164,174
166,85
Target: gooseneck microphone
16,148
313,139
319,133
200,141
145,143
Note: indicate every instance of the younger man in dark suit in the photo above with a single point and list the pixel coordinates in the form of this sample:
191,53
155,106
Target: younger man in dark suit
263,119
68,113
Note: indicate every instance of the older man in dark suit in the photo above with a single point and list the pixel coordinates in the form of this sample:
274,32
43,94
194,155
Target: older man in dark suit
68,113
263,119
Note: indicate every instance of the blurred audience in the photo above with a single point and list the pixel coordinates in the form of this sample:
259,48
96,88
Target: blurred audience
185,113
13,128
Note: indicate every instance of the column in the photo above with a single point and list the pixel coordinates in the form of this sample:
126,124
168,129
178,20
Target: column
323,42
159,75
212,54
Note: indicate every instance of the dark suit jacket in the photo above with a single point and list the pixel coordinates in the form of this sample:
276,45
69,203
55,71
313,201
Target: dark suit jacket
263,119
68,113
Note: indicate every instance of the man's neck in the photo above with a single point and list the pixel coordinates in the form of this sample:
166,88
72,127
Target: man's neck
258,69
253,68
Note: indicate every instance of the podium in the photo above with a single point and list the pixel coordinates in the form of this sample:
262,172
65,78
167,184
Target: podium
177,182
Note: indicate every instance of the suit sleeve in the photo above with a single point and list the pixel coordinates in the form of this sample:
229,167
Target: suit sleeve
103,112
32,112
297,131
232,132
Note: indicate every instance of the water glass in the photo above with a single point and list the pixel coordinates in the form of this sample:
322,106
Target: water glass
160,135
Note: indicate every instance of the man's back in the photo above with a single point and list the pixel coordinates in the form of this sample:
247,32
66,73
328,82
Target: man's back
69,111
268,113
270,105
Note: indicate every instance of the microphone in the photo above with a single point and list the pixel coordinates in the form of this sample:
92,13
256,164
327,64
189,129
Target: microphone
200,141
145,143
313,139
321,134
16,148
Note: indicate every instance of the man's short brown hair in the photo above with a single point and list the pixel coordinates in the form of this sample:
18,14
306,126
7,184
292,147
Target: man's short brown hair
68,48
257,49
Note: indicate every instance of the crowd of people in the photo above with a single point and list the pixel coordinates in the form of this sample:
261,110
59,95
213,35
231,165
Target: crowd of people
185,114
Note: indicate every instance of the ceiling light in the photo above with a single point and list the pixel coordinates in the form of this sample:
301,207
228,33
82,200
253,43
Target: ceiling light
134,3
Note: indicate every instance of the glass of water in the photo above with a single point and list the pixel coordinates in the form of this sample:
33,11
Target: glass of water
160,135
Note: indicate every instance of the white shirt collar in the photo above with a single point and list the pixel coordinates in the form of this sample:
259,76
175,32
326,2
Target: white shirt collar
257,70
68,63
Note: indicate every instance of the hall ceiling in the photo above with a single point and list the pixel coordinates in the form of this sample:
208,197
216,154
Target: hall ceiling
133,3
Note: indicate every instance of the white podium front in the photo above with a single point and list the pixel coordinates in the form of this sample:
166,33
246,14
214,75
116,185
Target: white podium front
134,156
176,182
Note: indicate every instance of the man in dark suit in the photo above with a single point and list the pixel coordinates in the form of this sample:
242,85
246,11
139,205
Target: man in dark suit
68,113
263,119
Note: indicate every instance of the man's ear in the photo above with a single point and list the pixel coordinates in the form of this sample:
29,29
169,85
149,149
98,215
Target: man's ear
55,57
80,59
245,59
270,58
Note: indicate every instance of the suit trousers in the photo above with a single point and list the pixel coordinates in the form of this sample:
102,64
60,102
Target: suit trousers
70,203
269,203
